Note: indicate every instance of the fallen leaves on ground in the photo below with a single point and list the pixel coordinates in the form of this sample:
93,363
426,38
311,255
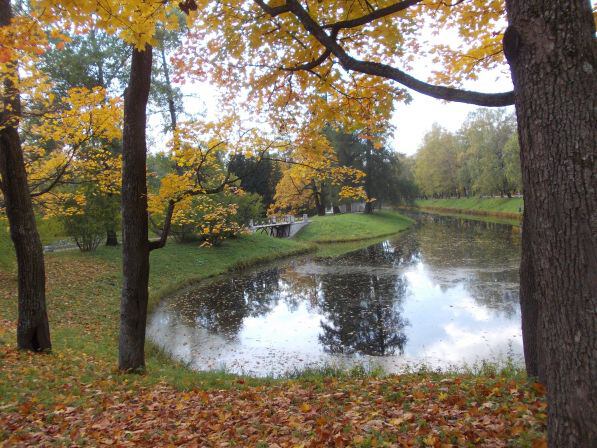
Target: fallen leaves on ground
417,410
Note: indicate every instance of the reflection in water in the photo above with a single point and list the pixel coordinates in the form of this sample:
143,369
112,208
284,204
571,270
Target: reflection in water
444,293
364,319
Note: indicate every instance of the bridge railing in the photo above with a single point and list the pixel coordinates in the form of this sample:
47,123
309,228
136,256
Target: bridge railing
278,219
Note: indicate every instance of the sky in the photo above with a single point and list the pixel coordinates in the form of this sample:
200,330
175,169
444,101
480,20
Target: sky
413,120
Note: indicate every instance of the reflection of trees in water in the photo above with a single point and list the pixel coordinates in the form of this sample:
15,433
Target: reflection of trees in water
222,306
489,251
298,288
495,291
363,309
450,242
391,253
363,312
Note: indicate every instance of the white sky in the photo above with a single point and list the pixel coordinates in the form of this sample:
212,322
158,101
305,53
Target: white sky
413,120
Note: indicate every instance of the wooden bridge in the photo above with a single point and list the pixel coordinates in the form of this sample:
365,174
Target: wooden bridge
280,227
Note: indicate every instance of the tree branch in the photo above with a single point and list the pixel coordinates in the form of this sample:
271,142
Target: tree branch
374,15
165,230
383,70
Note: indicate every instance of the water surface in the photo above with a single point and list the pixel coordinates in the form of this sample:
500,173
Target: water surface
443,294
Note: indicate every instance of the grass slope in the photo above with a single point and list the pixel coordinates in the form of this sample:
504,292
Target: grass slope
7,260
50,230
353,227
499,207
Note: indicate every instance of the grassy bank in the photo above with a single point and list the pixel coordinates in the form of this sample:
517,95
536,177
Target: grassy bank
7,260
75,396
509,208
50,231
353,227
83,302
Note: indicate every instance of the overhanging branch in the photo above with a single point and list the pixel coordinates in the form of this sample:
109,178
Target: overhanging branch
378,69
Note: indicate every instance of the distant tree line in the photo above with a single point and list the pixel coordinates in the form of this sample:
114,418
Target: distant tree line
481,158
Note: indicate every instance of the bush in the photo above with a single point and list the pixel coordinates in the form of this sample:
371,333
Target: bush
87,221
209,218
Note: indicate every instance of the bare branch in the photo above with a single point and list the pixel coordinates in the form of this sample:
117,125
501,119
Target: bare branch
374,15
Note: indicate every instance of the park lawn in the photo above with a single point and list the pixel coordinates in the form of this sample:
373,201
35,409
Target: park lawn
498,206
50,230
6,248
75,395
353,227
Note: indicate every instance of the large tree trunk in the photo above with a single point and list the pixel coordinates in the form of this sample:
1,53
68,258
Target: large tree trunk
33,330
320,206
135,243
111,238
553,58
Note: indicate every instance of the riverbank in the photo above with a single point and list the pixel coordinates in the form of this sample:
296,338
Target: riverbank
83,292
506,208
75,396
351,227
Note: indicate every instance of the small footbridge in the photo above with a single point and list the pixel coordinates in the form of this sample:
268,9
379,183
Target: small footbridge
280,226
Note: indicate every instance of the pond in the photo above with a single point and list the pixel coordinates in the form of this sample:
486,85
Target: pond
443,294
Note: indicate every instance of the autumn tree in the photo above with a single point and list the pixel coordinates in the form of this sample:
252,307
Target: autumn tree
48,139
484,137
290,48
437,162
482,157
385,179
33,330
312,170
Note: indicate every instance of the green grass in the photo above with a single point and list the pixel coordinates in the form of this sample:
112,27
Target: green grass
50,230
499,207
7,260
83,304
353,227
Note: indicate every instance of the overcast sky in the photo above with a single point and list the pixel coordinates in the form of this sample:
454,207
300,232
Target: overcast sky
413,120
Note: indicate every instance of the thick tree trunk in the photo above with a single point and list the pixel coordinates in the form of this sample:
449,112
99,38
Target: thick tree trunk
111,238
33,330
369,207
135,244
320,209
553,59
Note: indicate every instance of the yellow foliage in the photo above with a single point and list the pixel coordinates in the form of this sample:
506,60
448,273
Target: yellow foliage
134,21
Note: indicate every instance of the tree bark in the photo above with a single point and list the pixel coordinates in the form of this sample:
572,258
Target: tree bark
111,238
33,329
553,58
135,243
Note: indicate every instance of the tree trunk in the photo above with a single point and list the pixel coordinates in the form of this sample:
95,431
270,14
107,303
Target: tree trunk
320,208
111,238
336,209
553,58
369,207
33,329
135,243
